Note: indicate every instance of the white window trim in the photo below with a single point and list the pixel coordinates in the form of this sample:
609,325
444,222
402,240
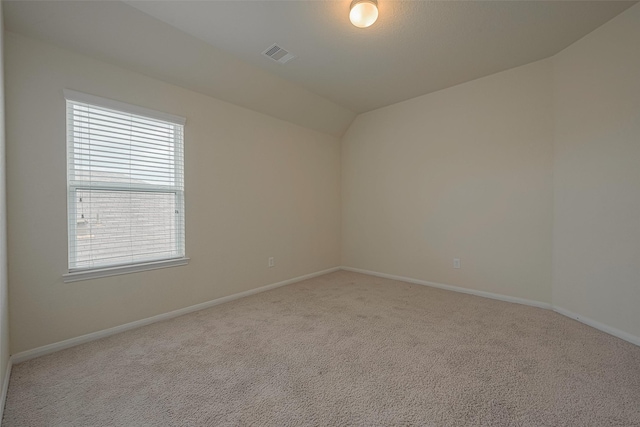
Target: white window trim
72,95
96,273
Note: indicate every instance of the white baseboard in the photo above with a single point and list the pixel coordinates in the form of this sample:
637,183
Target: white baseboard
484,294
50,348
594,324
600,326
5,387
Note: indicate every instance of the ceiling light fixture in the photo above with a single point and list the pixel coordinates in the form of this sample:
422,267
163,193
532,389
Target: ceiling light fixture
363,13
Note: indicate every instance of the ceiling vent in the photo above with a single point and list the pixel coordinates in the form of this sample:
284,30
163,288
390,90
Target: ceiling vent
278,54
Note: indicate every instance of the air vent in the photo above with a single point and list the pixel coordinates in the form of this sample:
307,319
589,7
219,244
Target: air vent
278,54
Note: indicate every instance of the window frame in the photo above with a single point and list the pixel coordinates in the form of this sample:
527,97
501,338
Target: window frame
76,274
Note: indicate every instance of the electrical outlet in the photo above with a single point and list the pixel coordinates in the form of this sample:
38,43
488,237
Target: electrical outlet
272,262
456,263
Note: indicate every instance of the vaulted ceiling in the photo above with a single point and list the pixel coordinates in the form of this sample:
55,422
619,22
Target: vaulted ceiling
214,47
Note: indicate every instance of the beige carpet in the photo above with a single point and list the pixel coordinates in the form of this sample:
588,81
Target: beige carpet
343,349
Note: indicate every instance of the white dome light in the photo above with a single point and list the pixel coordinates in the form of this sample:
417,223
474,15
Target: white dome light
363,13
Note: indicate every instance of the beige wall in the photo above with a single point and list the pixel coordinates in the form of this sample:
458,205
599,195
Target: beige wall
464,172
596,263
4,293
255,187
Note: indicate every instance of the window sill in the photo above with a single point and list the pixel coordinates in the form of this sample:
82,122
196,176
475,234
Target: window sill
76,276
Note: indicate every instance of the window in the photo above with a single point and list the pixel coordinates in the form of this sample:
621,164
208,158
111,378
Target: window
125,182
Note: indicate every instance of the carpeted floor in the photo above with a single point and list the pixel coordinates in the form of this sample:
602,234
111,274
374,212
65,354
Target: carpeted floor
343,349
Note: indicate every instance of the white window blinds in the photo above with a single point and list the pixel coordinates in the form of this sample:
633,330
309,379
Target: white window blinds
125,178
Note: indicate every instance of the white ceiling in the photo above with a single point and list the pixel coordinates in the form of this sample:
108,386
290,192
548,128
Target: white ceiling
119,34
214,47
415,47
